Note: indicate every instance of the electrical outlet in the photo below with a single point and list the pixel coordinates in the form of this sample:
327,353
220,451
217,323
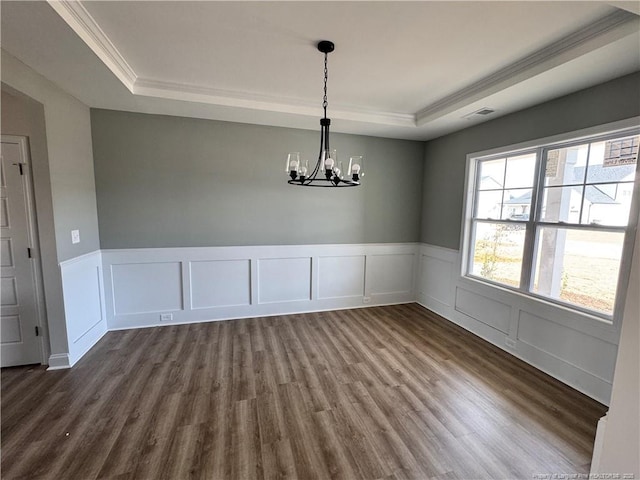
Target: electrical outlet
166,317
366,299
510,342
75,236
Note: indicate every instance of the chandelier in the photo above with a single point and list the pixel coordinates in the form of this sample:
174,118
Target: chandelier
328,170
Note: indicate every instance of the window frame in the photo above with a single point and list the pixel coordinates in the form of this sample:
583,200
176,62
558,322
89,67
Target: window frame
533,225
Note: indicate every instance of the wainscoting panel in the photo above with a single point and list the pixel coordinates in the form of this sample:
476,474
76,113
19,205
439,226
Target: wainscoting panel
436,281
575,348
284,279
146,287
220,283
163,286
483,309
341,276
390,273
84,304
554,339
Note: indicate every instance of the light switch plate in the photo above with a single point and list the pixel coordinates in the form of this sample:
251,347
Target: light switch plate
75,236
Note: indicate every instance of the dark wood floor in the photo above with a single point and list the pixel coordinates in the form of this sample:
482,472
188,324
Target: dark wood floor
386,392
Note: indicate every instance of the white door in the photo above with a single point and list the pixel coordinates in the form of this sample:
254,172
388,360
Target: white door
19,330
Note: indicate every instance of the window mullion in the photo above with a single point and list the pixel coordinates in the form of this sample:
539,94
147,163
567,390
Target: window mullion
530,231
584,182
504,185
583,226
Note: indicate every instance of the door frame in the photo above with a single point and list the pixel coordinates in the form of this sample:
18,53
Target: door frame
34,243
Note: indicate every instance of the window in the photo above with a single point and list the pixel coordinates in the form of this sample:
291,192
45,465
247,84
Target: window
551,221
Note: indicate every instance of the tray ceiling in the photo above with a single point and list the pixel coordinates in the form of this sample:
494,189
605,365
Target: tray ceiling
400,69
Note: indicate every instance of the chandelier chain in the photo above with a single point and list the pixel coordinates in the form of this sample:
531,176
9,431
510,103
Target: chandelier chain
326,74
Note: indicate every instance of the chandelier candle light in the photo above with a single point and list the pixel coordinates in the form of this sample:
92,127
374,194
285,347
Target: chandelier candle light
328,171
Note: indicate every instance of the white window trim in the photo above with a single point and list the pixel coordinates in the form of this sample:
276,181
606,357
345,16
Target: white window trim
619,127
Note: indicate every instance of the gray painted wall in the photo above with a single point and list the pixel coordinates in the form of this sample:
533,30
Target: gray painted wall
70,158
445,157
165,181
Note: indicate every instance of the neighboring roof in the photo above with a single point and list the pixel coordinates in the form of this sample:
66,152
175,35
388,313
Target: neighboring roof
489,178
523,199
600,174
596,195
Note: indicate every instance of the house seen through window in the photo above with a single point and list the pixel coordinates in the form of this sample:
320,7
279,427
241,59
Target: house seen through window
552,221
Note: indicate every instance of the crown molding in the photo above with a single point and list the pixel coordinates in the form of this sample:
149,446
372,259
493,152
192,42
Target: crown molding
84,25
236,99
608,29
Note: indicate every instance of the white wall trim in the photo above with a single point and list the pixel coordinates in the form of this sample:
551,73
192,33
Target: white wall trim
83,296
59,361
570,346
602,32
81,258
238,99
85,26
598,444
197,284
134,287
88,340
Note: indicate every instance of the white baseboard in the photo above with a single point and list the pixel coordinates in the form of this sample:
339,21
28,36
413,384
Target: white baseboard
598,444
89,340
330,309
59,361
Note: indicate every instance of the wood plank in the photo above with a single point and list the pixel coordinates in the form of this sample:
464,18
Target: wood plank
384,392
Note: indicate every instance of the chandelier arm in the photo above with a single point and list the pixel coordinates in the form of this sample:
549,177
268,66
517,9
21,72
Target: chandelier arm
323,183
328,177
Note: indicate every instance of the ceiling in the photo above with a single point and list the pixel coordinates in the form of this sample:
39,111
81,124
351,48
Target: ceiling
414,70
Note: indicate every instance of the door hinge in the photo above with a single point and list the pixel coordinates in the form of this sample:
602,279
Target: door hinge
37,331
20,167
29,252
